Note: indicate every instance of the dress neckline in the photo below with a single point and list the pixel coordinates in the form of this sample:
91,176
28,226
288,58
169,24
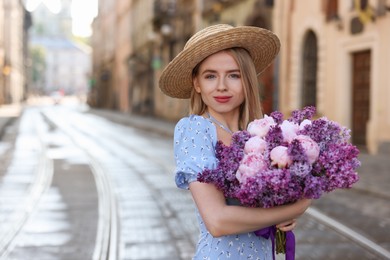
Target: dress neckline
215,121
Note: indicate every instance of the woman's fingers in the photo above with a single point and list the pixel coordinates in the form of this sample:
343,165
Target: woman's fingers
287,225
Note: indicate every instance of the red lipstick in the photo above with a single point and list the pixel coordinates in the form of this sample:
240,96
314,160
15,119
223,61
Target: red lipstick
222,99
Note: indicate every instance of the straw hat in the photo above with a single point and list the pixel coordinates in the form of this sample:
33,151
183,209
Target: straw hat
262,45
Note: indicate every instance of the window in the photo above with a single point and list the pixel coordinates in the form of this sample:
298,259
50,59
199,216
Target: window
332,10
309,71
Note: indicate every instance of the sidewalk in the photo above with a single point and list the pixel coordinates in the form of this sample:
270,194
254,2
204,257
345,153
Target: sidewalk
7,114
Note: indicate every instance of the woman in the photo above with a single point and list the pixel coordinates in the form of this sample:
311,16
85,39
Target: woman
218,70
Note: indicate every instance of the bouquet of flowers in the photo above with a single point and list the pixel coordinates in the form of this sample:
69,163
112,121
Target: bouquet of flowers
278,161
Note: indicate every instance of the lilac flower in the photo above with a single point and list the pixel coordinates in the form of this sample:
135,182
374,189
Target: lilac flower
296,152
277,116
319,161
324,132
301,169
314,187
274,137
299,115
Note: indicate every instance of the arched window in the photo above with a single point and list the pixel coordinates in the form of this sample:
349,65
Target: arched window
309,70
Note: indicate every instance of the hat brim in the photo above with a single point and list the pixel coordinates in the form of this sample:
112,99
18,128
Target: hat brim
262,45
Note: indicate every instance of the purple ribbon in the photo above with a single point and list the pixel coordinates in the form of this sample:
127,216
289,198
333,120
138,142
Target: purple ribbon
269,233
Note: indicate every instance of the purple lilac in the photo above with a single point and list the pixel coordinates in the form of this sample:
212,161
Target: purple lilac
324,132
297,116
313,187
229,157
277,116
345,134
296,152
274,137
340,164
301,168
335,168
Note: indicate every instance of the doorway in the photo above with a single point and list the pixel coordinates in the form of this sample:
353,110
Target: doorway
361,70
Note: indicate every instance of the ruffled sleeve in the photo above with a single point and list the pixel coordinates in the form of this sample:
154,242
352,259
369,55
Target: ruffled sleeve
194,149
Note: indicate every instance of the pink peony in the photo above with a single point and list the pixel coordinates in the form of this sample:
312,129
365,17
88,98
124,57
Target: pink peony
250,165
289,130
260,127
255,145
279,156
311,148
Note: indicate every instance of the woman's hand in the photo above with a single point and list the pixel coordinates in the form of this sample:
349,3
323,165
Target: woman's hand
287,225
291,224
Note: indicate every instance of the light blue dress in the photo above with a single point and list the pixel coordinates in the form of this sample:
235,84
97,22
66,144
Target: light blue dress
195,138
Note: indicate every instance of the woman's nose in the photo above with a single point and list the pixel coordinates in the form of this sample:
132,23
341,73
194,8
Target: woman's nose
221,85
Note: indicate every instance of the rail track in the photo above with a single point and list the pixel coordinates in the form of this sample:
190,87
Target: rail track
350,234
106,246
23,204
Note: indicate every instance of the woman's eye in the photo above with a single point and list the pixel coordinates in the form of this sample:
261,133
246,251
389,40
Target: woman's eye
209,76
235,75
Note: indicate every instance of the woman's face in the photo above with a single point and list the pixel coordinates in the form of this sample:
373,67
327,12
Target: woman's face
218,81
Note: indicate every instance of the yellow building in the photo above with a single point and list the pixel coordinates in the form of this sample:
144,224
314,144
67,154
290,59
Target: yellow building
335,56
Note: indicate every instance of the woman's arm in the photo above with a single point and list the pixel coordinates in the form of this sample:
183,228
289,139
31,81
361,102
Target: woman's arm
222,219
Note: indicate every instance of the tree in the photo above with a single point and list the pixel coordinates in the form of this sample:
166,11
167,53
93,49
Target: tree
38,56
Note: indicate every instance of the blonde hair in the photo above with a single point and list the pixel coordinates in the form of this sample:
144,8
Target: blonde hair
250,109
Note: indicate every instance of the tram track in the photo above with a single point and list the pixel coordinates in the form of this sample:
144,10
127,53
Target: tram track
37,187
106,239
106,245
349,233
109,244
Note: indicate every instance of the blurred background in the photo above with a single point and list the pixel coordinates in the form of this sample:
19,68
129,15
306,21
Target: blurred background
110,53
80,104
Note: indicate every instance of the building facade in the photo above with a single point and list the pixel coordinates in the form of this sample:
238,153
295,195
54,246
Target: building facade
103,43
333,56
15,22
67,65
59,62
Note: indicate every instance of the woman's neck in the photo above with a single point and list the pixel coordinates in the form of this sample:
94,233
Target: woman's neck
226,124
229,120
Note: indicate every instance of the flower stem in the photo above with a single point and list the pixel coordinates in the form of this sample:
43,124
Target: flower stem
280,242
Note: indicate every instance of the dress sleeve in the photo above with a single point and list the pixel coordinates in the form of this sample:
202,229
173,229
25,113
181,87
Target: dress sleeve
194,149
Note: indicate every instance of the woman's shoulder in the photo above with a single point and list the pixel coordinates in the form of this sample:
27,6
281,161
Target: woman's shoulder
194,142
195,127
194,122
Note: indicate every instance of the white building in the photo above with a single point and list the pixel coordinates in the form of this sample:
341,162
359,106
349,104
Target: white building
67,63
